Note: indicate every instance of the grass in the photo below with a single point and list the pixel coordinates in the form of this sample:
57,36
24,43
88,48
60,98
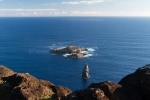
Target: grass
50,97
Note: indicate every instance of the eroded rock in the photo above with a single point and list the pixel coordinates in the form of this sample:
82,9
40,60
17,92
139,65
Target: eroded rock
23,86
85,72
87,94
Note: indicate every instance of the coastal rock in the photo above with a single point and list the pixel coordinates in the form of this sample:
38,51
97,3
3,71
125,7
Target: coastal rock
23,86
109,88
116,91
85,72
72,51
87,94
139,81
105,91
5,72
135,86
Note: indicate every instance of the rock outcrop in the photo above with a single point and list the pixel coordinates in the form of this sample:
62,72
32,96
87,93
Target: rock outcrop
139,81
85,72
72,51
87,94
135,86
23,86
116,91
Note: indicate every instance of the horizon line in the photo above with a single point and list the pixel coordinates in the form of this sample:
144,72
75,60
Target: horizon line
78,16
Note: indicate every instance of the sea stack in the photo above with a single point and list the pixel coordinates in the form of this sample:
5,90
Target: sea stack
85,72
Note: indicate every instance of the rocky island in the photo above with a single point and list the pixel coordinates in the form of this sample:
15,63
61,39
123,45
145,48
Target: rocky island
71,51
23,86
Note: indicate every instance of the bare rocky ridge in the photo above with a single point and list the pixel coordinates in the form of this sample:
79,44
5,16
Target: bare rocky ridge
73,51
135,86
23,86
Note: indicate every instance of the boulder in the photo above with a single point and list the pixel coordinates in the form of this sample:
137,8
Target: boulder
116,91
139,81
87,94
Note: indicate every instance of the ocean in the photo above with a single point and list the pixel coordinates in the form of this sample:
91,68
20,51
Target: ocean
118,46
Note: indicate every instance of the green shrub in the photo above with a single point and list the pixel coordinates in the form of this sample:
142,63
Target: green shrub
50,97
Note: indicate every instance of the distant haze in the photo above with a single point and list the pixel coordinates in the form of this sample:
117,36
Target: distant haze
74,8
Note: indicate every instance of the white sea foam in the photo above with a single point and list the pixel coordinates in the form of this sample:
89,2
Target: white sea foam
91,49
61,47
90,52
86,52
52,46
88,55
66,55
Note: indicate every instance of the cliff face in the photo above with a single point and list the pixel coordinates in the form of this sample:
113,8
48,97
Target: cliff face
139,81
22,86
135,86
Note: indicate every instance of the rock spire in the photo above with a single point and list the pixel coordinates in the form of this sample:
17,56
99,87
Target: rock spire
85,72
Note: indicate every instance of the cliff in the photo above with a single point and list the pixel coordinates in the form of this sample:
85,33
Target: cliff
23,86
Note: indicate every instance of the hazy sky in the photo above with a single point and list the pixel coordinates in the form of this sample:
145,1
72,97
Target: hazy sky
74,7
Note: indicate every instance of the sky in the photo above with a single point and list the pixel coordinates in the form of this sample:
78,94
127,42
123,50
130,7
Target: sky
74,8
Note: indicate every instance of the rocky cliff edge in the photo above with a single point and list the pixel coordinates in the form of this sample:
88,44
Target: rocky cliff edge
23,86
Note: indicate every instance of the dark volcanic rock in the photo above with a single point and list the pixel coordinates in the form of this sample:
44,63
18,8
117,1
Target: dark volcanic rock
73,51
135,86
22,86
61,91
108,88
85,72
87,94
139,81
115,91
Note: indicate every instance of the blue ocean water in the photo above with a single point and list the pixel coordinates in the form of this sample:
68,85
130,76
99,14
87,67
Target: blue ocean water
119,46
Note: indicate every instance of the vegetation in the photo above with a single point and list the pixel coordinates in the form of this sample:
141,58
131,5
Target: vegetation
50,97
